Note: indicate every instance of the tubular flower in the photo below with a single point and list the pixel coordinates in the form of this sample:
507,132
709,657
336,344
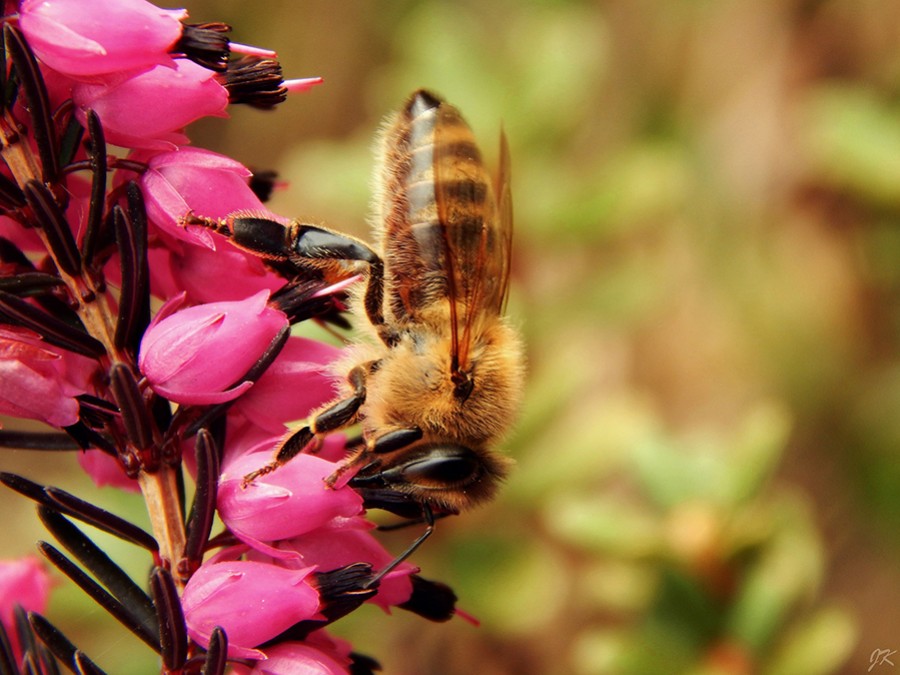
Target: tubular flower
319,656
223,273
40,382
344,541
303,367
252,601
83,43
191,180
129,104
283,504
25,583
199,354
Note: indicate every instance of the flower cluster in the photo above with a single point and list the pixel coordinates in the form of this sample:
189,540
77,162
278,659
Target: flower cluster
90,241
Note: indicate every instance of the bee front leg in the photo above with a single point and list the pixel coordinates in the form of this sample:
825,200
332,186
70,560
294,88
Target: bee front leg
395,439
332,418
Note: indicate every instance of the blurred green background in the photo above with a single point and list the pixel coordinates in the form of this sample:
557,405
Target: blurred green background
707,199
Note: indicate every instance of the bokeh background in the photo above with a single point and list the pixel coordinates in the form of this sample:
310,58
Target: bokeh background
707,200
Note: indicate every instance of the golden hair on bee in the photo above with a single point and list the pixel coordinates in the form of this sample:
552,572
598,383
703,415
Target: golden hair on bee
438,383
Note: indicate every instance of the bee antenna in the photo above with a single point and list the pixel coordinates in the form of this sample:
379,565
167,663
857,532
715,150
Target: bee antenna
429,520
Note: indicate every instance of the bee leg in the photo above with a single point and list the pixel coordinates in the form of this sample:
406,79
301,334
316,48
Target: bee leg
394,440
334,417
315,243
428,517
388,442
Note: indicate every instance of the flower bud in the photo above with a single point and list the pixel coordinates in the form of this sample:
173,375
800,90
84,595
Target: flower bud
298,381
197,355
252,601
223,273
23,582
301,658
189,180
77,42
346,541
40,382
150,108
288,502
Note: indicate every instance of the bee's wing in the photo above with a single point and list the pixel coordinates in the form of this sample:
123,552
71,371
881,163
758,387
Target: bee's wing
476,227
503,193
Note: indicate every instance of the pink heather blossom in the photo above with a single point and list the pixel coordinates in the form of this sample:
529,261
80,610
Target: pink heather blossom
25,238
226,273
106,36
252,601
303,368
283,504
345,541
303,658
191,180
23,582
40,381
197,355
149,109
105,470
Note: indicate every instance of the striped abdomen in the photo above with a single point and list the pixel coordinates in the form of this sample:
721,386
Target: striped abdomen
438,213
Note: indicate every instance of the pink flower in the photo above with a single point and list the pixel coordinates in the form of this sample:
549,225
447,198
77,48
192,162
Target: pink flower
40,382
345,541
149,109
298,381
22,582
285,503
113,35
106,470
193,180
197,355
303,658
223,273
252,601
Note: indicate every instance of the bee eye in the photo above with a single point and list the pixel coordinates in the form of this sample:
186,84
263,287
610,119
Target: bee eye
442,469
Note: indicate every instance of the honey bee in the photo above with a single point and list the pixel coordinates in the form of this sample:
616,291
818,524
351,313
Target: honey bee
439,380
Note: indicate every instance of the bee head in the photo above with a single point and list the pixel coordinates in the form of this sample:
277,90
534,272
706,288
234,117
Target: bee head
447,475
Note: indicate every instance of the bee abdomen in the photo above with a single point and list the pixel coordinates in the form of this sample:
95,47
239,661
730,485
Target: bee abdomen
437,199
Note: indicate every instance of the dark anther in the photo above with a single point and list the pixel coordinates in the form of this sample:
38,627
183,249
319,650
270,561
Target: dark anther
430,599
341,591
262,183
255,81
360,664
205,44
